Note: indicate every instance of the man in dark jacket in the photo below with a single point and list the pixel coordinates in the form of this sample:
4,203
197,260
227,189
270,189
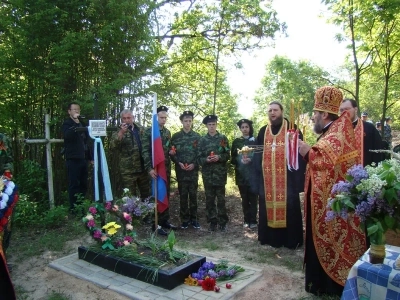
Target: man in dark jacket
77,153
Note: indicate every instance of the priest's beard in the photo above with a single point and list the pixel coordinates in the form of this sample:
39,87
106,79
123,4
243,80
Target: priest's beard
277,121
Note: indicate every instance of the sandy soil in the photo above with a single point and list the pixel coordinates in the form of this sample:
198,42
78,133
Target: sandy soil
35,280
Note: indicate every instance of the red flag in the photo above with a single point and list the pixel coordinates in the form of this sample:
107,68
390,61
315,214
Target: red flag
159,165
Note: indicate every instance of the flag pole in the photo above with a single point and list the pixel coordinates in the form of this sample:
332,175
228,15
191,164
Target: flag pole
155,168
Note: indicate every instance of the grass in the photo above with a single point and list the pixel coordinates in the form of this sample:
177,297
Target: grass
34,241
210,244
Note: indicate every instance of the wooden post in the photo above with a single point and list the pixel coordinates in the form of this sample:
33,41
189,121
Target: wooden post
49,159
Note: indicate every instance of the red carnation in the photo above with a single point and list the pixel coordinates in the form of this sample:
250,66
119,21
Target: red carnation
208,284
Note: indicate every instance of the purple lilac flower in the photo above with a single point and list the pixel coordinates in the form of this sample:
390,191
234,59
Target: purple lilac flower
221,273
137,212
208,265
212,274
92,210
358,173
231,272
363,210
330,215
342,187
91,223
108,205
97,234
130,205
344,214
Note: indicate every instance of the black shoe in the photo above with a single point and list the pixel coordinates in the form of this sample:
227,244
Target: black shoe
222,228
159,231
252,225
213,227
195,224
185,225
168,225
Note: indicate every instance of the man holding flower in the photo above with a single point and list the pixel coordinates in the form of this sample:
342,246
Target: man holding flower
331,248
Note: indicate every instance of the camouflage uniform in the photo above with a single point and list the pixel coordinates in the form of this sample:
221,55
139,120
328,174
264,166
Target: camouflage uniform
214,176
243,180
186,152
165,135
131,166
387,135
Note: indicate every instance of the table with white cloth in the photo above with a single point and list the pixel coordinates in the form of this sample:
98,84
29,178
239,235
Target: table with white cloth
375,282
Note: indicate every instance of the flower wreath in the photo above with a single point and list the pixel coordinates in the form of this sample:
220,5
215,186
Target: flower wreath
130,211
9,197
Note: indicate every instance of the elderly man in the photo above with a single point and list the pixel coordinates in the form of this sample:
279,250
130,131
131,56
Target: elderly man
127,142
366,135
280,219
327,256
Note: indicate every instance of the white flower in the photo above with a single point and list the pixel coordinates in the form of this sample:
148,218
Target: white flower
252,139
126,190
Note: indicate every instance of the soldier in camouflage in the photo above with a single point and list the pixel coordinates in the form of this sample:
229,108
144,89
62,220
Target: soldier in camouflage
184,155
387,132
242,163
213,156
163,218
127,142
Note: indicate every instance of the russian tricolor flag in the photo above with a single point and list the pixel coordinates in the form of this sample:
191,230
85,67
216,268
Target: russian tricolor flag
158,163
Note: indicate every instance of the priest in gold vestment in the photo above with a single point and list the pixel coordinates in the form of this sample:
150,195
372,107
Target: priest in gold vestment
331,248
280,219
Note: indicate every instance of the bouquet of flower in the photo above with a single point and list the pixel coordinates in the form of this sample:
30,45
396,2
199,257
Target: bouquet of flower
371,193
131,210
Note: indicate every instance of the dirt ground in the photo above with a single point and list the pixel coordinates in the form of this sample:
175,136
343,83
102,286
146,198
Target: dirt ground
282,276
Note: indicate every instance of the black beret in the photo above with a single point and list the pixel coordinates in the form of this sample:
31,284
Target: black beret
210,118
186,113
162,108
244,121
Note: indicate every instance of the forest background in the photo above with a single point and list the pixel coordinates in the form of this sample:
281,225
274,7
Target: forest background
112,54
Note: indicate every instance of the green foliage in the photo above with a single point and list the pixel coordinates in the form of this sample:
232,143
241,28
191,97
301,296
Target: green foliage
32,181
286,80
28,214
54,217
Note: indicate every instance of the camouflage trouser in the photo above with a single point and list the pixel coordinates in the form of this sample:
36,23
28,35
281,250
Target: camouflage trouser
137,183
216,213
188,200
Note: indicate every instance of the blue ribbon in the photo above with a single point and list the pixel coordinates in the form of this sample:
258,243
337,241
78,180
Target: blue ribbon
98,146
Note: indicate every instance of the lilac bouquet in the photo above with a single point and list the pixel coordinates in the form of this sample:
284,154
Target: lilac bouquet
371,193
220,271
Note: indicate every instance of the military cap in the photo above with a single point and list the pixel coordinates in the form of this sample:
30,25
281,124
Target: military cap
378,124
328,99
244,121
210,118
388,118
364,114
162,108
186,113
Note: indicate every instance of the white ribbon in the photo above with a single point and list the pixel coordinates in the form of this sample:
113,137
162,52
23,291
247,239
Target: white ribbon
98,146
